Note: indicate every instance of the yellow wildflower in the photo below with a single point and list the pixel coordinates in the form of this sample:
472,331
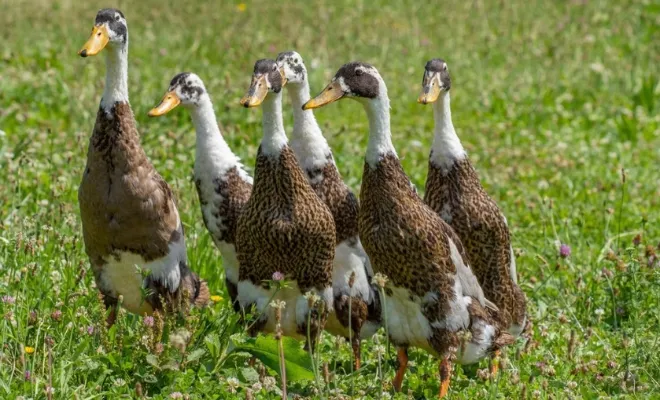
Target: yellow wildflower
241,7
29,349
216,298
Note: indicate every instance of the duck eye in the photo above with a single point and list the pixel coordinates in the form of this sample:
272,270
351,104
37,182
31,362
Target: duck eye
116,17
358,72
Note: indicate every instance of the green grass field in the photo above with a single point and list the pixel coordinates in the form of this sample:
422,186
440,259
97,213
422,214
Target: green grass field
556,102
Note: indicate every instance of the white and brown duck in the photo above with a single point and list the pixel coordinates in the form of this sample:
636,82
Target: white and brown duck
284,228
223,185
131,226
352,271
432,300
454,191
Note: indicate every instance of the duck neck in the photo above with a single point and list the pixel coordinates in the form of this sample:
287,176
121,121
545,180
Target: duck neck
273,126
307,140
116,78
212,152
380,136
447,147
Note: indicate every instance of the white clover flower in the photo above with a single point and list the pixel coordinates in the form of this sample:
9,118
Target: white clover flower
179,340
313,297
269,383
119,382
380,280
599,311
55,276
278,304
256,387
232,384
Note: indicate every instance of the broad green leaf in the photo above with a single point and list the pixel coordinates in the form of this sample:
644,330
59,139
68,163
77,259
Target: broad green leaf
249,375
195,355
297,363
153,360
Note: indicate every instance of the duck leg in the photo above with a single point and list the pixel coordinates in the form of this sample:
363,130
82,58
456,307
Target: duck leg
112,317
111,305
445,375
356,352
495,363
402,356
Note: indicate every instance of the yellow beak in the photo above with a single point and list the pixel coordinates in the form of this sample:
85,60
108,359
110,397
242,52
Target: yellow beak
96,42
257,92
331,93
430,90
169,103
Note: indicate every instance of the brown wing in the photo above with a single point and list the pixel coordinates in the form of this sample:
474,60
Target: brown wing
285,227
125,205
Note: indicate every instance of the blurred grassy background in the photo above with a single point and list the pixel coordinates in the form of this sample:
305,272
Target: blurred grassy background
551,99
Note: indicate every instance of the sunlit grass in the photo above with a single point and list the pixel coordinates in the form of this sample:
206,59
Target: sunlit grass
554,101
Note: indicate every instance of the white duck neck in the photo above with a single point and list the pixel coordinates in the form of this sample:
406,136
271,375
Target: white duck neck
447,147
307,140
273,126
116,78
380,136
211,151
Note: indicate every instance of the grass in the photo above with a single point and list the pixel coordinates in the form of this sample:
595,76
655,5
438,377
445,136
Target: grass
555,101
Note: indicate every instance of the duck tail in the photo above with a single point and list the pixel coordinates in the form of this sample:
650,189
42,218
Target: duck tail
490,305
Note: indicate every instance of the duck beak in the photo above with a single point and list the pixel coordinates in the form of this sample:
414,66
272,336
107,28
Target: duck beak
169,103
331,93
430,90
284,80
96,42
256,93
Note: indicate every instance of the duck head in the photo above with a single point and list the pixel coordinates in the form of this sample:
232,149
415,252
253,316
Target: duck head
436,81
186,89
292,67
266,78
110,29
356,80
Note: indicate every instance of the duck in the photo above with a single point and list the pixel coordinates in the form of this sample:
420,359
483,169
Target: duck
222,181
352,273
132,232
431,300
285,230
454,192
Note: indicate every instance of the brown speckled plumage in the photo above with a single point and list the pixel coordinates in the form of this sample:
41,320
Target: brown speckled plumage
457,196
406,241
126,206
343,204
233,193
409,243
221,210
285,227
